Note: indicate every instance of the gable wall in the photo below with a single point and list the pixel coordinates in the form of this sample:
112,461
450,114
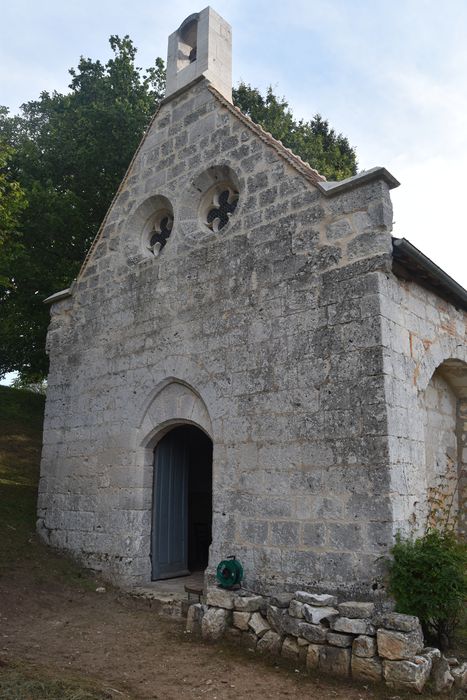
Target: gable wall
274,322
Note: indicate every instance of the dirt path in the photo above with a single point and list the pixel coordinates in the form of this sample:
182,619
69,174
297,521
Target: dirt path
135,653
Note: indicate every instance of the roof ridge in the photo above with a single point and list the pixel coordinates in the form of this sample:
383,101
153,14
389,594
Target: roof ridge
295,161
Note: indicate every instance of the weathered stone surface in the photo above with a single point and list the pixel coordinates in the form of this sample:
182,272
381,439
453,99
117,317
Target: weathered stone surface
431,653
459,673
399,645
312,657
292,625
249,640
312,633
356,610
315,615
339,640
334,661
281,622
352,626
409,673
276,616
241,620
302,650
296,609
270,643
316,599
258,624
194,616
290,648
364,646
220,598
214,623
368,669
441,676
249,603
281,600
398,622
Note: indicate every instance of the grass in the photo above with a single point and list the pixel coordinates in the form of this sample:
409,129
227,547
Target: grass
18,682
21,419
21,416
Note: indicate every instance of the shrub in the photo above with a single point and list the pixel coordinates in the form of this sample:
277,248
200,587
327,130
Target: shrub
428,578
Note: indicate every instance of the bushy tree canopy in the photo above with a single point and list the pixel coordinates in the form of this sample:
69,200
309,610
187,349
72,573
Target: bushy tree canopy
317,144
70,154
63,158
12,200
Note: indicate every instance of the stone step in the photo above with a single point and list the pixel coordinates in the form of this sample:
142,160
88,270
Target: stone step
159,603
170,598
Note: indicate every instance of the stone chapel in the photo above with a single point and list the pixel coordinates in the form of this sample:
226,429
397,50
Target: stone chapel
248,363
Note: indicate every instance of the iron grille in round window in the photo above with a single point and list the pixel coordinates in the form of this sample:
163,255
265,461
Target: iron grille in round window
160,232
224,203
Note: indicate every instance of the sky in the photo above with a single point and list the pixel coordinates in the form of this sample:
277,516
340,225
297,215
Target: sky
391,75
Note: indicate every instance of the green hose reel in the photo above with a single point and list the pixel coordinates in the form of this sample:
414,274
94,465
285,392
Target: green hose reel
229,573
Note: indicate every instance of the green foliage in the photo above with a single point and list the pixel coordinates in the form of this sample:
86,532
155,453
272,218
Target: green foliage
12,199
313,140
69,154
428,578
36,384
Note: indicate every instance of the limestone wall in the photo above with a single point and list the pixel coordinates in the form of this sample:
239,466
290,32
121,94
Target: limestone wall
425,356
271,331
441,450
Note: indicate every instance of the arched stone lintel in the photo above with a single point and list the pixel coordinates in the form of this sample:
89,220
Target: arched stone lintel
446,353
173,402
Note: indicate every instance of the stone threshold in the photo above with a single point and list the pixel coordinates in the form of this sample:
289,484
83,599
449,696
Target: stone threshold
171,597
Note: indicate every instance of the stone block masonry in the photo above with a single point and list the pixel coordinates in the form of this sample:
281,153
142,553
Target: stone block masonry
265,334
391,649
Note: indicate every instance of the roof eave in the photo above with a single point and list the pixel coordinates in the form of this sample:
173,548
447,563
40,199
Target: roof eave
410,263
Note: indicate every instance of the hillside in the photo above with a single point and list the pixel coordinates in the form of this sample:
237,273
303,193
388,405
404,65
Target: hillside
21,416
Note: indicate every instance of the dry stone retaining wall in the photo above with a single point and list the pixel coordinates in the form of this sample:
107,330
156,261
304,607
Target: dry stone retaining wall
340,639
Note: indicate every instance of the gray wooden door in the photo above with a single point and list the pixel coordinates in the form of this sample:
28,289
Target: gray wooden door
170,509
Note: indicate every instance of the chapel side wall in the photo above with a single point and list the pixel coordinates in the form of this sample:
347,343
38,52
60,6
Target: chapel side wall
274,322
462,443
441,450
420,332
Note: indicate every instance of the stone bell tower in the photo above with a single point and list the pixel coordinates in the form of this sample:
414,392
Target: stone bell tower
202,45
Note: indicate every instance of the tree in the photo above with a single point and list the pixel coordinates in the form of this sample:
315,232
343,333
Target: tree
313,141
69,152
12,200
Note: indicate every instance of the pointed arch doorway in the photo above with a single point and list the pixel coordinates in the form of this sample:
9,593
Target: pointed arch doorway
182,503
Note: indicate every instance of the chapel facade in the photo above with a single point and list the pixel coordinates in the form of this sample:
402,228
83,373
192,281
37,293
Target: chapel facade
248,364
